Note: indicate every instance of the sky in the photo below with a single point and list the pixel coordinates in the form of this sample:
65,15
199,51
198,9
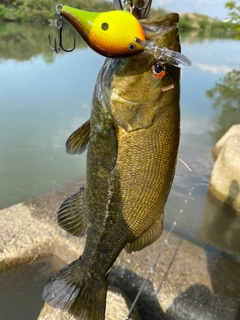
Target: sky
212,8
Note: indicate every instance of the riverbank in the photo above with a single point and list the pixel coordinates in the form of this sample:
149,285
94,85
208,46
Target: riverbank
44,12
197,21
187,283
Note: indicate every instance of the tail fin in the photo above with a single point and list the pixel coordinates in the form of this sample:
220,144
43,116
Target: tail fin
70,290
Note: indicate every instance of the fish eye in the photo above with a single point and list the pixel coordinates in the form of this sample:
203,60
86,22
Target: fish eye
131,47
105,26
158,70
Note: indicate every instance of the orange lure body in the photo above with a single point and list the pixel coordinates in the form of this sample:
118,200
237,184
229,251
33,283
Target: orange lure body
111,34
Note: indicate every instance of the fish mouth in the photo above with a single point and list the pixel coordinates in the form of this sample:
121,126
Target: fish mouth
161,25
163,30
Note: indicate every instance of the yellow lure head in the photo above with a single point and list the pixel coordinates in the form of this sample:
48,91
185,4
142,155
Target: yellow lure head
112,34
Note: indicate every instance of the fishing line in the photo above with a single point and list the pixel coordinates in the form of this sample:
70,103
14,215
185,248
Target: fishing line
150,271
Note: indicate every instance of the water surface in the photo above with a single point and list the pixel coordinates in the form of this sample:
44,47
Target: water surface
21,288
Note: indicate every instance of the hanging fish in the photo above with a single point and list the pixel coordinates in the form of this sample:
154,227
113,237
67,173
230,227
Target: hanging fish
132,139
111,34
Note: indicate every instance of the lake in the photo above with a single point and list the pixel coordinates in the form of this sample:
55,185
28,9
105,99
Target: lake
46,96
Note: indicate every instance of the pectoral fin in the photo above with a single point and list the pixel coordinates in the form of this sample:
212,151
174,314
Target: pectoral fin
147,238
78,141
71,215
132,115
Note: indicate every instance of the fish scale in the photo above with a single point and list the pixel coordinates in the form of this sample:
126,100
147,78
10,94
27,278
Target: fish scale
140,204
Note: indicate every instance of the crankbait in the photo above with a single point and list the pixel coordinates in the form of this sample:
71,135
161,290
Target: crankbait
114,34
111,34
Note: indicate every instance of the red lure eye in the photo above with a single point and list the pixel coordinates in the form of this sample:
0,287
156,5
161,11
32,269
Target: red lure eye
158,70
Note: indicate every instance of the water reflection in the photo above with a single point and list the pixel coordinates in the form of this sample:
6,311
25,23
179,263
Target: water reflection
200,36
221,230
221,224
22,41
226,100
42,103
22,288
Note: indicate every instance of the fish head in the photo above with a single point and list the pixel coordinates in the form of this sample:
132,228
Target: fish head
135,88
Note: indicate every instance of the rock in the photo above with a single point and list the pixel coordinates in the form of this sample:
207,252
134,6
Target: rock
29,231
116,309
24,239
233,131
49,313
224,181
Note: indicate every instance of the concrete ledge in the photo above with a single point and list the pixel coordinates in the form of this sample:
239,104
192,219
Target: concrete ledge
189,282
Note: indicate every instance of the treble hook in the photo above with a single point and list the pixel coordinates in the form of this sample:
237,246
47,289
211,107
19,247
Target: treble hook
60,46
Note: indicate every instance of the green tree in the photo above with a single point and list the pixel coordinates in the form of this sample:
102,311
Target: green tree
42,11
2,11
234,12
36,11
226,100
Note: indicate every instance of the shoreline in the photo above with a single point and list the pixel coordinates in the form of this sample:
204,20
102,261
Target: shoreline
186,276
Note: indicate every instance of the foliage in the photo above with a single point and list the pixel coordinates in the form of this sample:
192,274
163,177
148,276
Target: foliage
234,12
186,22
2,11
21,42
202,22
42,11
226,99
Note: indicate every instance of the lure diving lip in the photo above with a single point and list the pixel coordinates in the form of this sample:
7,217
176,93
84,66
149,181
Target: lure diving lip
111,34
165,55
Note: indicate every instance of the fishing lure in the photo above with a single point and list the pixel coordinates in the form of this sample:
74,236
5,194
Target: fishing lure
111,34
114,34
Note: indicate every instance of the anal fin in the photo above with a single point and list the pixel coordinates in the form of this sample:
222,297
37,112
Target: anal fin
71,214
146,238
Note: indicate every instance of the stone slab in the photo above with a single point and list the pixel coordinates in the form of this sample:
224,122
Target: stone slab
187,282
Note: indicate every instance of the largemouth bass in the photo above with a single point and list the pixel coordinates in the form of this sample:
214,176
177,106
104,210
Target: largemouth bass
132,139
